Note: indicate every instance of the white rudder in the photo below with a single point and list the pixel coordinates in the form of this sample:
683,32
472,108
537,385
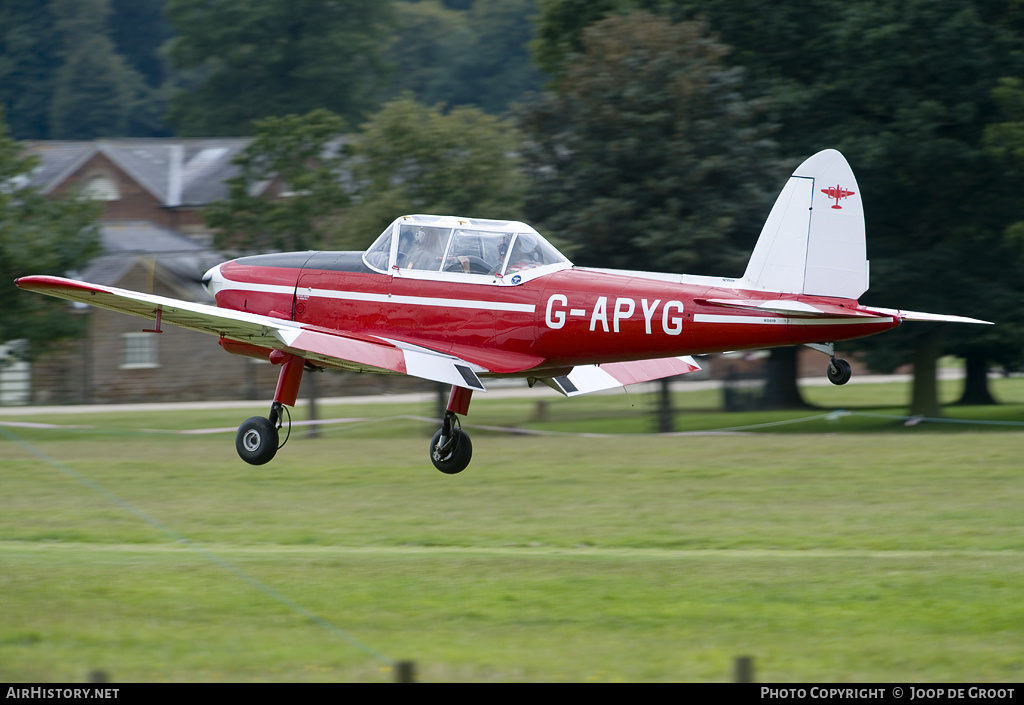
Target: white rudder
813,241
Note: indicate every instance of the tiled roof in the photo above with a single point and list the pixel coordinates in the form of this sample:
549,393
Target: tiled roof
175,172
127,242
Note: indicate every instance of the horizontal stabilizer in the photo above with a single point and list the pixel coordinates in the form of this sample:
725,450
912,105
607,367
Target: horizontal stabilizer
919,316
593,378
787,307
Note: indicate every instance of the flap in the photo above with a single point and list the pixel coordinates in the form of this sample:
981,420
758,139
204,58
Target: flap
592,378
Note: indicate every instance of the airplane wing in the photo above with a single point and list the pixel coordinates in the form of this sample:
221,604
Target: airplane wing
318,345
592,378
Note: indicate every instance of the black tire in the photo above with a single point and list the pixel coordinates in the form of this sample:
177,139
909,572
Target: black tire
458,455
256,440
839,372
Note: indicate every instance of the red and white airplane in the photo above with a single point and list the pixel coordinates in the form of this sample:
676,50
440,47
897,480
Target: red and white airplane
463,301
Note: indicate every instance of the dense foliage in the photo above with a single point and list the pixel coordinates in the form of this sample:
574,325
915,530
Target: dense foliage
649,155
82,69
906,91
38,235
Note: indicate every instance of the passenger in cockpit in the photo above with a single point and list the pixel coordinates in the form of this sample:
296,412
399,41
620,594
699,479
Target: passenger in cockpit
427,251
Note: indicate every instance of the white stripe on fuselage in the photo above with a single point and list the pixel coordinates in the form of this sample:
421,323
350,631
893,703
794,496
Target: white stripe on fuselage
525,308
783,320
229,285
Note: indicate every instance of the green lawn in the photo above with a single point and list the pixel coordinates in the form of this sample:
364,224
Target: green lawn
851,549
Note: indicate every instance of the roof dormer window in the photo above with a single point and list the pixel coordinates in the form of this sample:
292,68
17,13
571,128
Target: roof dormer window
101,187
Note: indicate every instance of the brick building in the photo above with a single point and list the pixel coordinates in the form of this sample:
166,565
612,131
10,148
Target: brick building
166,182
155,241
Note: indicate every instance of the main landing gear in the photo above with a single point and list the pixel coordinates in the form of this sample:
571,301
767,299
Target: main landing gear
838,370
258,438
450,448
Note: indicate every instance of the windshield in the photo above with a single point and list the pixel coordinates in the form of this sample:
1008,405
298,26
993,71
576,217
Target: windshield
379,253
461,246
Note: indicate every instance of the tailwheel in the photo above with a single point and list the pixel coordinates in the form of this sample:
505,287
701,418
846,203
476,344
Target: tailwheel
450,448
838,371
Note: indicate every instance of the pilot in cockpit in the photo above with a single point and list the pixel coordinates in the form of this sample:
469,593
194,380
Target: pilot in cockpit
427,249
525,254
499,259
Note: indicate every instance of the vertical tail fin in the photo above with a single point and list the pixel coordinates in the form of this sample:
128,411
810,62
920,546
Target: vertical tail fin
813,241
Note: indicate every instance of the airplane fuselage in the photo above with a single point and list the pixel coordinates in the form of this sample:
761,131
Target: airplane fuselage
575,316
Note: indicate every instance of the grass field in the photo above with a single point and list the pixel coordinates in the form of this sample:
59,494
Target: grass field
829,548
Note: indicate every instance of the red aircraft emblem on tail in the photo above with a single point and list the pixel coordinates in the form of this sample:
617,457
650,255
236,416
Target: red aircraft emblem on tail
837,192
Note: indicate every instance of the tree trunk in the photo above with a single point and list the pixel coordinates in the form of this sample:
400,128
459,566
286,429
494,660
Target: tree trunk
666,414
441,391
314,396
924,398
976,389
780,389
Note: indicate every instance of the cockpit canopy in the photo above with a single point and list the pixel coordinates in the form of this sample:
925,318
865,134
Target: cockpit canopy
491,249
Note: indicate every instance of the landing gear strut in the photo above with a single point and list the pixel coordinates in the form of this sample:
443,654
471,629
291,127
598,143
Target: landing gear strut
450,448
258,438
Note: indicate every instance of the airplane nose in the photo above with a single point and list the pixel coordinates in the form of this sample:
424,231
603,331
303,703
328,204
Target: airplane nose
211,280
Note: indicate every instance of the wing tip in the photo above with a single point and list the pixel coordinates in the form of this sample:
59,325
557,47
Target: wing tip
43,283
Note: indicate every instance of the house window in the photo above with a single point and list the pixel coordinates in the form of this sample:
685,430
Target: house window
101,188
138,351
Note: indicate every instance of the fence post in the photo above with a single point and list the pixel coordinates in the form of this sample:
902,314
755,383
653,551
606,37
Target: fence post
405,672
744,669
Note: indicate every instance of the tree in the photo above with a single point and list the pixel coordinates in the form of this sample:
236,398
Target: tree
139,30
560,29
939,203
328,190
38,235
275,57
478,56
300,156
647,155
411,158
1003,140
29,56
904,90
62,76
95,92
497,71
428,41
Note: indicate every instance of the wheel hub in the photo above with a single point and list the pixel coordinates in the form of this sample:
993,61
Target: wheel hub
251,440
